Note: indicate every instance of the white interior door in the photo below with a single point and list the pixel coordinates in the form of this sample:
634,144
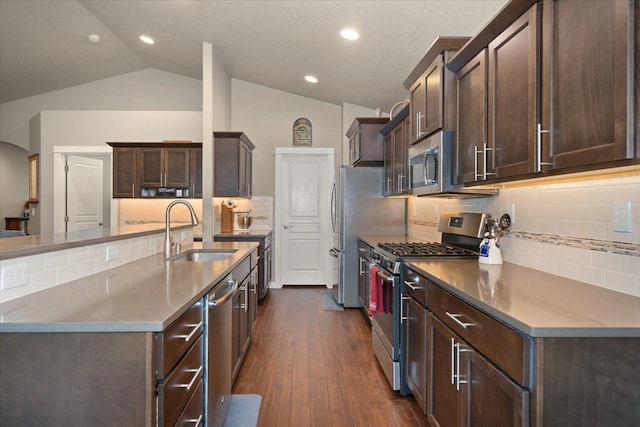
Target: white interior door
84,193
302,220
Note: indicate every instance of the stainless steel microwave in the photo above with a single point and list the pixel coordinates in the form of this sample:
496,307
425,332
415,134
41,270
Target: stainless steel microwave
431,165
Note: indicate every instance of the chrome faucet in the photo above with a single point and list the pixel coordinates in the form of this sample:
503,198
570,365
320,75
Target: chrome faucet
168,241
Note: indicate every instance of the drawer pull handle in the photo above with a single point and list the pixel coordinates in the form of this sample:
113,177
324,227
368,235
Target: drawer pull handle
193,380
410,285
196,422
454,317
192,333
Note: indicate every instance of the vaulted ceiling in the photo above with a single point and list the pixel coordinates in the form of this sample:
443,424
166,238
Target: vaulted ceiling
44,44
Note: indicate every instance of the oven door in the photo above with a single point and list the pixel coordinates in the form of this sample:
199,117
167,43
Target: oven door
386,329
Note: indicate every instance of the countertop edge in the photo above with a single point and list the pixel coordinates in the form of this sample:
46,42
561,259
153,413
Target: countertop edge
531,331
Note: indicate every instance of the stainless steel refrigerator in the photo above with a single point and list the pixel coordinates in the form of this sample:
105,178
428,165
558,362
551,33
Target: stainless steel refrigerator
358,208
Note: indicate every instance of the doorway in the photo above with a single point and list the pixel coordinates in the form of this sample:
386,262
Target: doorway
302,215
78,205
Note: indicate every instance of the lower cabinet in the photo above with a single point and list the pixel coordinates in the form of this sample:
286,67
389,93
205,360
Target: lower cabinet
245,304
416,351
464,388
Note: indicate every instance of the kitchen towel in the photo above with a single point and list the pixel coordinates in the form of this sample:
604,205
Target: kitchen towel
376,297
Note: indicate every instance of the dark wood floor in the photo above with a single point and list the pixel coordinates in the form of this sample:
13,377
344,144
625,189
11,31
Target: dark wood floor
316,368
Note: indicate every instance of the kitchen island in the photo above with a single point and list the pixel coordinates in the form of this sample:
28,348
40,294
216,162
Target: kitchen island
124,346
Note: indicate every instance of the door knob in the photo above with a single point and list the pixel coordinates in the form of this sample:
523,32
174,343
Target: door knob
286,227
100,224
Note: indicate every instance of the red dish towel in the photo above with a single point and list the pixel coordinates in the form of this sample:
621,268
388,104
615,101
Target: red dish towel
375,291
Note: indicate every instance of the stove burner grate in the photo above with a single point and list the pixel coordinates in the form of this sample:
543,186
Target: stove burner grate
424,249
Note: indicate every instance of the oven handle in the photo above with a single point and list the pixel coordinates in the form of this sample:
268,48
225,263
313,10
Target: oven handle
384,277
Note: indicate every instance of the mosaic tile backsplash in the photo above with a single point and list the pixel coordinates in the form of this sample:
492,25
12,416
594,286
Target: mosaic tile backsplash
564,228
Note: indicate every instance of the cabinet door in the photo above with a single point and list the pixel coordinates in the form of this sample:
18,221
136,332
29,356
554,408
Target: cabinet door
471,124
585,82
354,147
417,109
227,162
444,401
400,159
195,169
434,97
151,167
176,167
493,398
389,151
125,172
416,351
513,89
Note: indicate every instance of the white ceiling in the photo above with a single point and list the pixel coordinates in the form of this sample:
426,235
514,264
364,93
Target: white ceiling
44,43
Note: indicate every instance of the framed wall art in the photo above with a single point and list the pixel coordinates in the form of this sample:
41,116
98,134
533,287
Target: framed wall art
302,132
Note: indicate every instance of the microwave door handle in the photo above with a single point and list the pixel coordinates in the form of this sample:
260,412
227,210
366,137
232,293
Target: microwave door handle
424,166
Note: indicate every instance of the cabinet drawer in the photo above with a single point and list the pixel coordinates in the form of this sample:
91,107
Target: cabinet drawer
506,348
174,392
242,270
193,414
178,337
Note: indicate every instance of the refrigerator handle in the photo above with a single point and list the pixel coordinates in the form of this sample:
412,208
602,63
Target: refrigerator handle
333,208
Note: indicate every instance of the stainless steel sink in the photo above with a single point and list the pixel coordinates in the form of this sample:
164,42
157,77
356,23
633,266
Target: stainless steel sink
203,255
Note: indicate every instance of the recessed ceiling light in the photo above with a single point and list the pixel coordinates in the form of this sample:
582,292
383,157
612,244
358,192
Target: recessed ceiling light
147,39
94,38
350,34
311,79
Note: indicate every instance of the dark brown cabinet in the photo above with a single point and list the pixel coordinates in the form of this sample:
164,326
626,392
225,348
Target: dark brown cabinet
414,322
512,89
242,304
164,167
396,156
431,90
466,389
556,91
232,164
366,146
125,172
587,82
471,122
157,169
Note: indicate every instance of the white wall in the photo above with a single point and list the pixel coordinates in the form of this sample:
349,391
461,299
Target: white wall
95,128
14,181
148,89
266,116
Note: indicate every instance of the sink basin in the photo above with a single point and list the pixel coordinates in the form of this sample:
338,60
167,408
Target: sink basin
203,255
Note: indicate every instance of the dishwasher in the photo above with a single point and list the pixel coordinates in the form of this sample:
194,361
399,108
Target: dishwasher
220,316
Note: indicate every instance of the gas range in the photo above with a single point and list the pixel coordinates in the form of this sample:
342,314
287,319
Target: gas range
461,237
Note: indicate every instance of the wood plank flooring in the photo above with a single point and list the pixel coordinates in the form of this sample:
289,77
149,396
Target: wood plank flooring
316,368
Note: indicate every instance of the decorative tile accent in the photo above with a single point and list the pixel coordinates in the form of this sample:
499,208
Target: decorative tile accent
620,248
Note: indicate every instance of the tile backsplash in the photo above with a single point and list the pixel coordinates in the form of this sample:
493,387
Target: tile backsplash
136,211
565,228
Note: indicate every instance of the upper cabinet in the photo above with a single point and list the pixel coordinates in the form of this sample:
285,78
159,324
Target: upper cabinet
546,88
164,167
587,83
156,169
366,146
232,164
125,172
396,159
431,95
